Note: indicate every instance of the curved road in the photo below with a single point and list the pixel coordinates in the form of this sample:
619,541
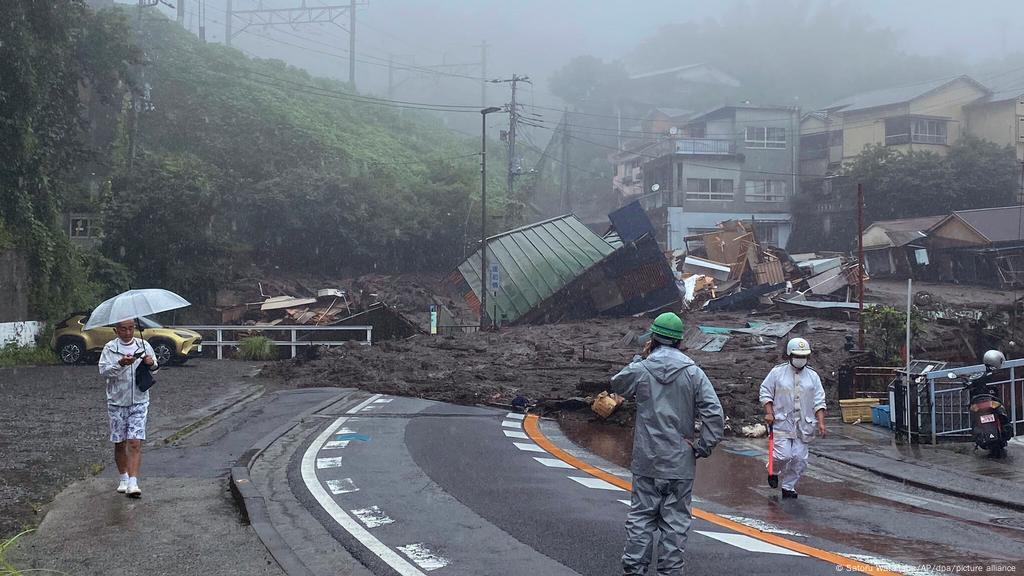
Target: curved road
415,487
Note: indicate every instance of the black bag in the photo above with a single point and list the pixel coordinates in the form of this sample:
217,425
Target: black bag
143,377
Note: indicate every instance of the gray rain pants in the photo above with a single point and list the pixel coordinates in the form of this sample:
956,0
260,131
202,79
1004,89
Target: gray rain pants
662,505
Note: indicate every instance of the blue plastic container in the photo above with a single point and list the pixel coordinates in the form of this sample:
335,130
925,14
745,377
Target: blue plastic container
880,416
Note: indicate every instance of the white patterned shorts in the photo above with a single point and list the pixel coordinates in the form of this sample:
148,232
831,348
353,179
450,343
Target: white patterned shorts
128,422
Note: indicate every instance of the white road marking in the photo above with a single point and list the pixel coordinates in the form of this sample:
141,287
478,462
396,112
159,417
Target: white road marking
554,463
747,543
762,525
362,405
511,424
382,400
369,407
421,555
886,564
392,558
516,434
333,444
372,516
626,502
322,463
515,416
345,431
591,482
343,486
529,447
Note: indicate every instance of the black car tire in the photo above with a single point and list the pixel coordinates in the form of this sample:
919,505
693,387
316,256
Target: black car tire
70,350
164,352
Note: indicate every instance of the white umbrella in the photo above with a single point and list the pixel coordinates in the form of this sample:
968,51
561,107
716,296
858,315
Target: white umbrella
133,304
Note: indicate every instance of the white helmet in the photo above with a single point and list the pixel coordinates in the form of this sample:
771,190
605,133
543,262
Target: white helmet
798,347
994,359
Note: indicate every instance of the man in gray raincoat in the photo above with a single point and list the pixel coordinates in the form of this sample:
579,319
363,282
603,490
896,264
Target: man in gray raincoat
672,393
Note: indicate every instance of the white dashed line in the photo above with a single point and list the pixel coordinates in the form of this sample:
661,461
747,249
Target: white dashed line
747,543
515,416
349,524
372,516
516,434
554,463
343,486
762,525
528,447
322,463
511,424
423,557
382,400
597,483
369,407
334,444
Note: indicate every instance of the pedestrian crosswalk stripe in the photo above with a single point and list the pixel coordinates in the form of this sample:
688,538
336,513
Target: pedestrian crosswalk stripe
322,463
554,463
516,434
343,486
514,416
528,447
335,444
748,543
511,424
423,557
382,400
591,482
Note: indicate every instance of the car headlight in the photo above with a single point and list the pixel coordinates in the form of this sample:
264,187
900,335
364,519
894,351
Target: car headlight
184,334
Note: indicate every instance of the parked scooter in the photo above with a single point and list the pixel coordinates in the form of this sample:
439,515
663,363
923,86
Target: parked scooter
990,424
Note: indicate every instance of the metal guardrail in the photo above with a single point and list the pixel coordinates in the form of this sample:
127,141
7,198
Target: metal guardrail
947,404
294,342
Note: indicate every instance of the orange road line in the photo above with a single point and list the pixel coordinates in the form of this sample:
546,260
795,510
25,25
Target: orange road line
532,426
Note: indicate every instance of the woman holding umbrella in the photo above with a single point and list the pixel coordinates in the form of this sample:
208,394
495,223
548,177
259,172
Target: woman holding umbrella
122,362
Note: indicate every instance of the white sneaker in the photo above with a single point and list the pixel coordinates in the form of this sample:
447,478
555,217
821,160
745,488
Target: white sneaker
122,486
134,491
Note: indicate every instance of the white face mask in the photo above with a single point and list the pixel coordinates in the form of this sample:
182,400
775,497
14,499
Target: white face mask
798,362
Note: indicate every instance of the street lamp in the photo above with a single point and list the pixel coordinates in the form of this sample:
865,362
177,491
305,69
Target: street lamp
483,213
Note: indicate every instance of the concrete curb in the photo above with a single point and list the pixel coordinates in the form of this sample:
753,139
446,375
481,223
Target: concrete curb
201,423
922,482
254,505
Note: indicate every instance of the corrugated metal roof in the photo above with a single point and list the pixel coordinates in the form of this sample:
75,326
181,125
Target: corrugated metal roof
1005,85
1004,224
891,96
535,262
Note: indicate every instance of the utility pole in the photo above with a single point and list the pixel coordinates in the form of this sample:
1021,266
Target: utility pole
566,203
513,119
181,13
202,21
483,214
860,265
483,73
351,43
227,23
391,75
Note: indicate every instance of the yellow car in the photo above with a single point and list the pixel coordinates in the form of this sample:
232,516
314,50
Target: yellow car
74,344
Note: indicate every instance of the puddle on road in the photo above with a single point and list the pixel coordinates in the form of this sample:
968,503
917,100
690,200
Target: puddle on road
835,512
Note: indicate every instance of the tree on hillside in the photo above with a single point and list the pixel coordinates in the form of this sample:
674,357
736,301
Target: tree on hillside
782,51
590,84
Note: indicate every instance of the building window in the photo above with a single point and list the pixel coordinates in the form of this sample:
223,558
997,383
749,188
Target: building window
765,190
928,131
767,233
81,228
765,137
709,189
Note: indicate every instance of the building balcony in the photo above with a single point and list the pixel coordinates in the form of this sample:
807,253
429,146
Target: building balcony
704,146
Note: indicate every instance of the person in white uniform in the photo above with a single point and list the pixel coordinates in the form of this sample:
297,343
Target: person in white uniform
794,403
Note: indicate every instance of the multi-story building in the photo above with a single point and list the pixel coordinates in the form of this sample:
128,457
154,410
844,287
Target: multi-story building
730,163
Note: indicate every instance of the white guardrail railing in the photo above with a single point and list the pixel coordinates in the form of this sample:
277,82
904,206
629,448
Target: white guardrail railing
297,335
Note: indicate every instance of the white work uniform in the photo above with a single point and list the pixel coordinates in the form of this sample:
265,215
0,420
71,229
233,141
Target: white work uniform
796,397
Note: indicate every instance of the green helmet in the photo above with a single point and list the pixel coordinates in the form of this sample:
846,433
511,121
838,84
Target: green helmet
668,325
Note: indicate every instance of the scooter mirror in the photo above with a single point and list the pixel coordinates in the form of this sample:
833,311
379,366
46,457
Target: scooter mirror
951,376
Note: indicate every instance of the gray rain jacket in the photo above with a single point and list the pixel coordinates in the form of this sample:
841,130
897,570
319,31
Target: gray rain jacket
671,394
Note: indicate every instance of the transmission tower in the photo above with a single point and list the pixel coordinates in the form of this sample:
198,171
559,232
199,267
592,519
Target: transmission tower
292,17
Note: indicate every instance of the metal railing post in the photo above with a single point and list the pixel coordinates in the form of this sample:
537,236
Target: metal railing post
931,394
1013,399
220,346
293,342
369,336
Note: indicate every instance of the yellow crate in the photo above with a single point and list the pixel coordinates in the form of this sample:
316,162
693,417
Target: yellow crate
857,409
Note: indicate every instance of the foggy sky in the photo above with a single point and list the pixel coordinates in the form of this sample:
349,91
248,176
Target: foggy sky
536,37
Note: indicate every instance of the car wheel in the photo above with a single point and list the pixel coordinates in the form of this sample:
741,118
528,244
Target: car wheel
164,352
70,351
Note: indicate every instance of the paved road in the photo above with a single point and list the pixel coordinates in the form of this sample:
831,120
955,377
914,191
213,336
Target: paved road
416,487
